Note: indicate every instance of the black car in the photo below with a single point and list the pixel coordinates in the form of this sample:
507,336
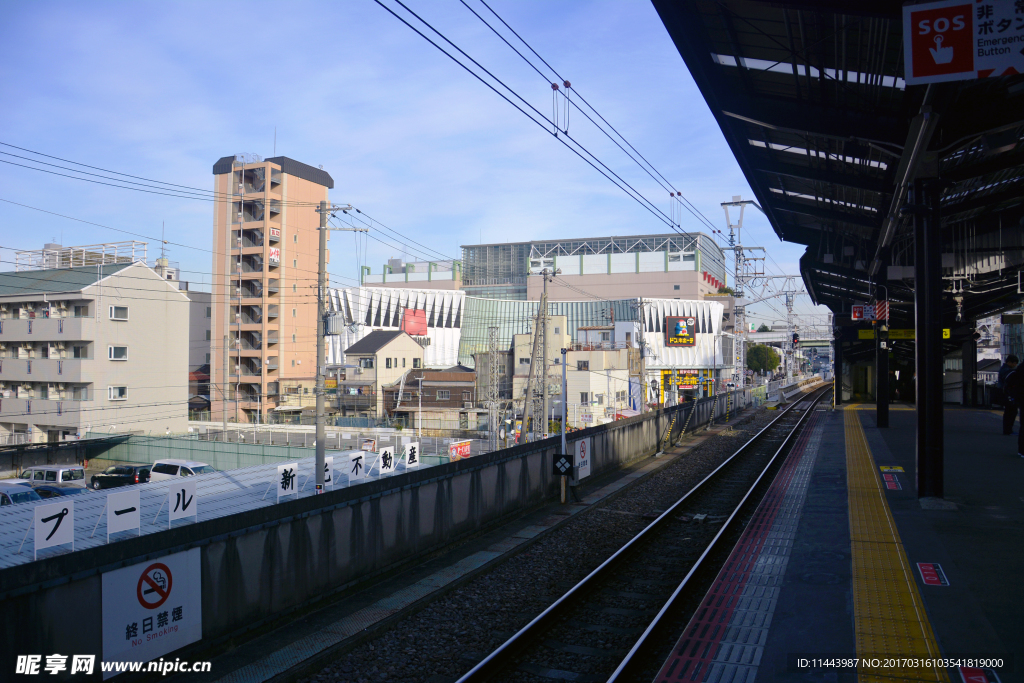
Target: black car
120,475
56,490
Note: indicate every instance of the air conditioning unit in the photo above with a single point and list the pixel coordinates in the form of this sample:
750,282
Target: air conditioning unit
467,404
357,371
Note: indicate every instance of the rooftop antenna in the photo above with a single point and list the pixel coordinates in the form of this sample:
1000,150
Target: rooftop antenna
163,242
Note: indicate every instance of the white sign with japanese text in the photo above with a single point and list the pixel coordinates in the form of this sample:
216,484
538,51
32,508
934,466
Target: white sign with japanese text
287,479
181,501
955,40
581,451
329,471
124,511
357,467
411,452
152,608
387,461
54,524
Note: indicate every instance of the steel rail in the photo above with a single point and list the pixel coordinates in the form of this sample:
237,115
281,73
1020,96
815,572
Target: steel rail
495,661
627,662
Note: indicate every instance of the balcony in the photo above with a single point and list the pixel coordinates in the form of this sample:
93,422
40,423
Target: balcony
272,311
46,370
250,238
272,389
365,400
271,337
47,413
247,368
250,263
271,363
273,286
251,289
249,315
251,211
48,329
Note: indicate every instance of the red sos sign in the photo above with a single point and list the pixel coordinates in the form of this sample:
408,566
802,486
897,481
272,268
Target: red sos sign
941,40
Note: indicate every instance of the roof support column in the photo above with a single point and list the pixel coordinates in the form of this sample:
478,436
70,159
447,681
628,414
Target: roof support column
881,380
928,313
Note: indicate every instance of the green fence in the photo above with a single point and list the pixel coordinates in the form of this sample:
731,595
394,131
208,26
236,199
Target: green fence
217,454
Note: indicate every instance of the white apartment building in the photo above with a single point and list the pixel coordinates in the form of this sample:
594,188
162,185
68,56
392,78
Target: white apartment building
92,349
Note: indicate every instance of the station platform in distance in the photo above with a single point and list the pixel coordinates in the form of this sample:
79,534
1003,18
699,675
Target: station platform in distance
843,574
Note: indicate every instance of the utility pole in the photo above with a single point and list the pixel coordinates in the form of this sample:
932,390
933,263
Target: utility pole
788,342
492,385
544,332
326,211
743,276
565,397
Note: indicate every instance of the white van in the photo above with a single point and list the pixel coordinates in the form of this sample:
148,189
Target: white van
73,475
169,469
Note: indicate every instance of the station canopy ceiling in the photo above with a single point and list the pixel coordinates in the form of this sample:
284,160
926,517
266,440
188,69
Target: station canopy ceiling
811,99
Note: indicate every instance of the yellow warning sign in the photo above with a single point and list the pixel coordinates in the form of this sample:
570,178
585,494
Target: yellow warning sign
888,468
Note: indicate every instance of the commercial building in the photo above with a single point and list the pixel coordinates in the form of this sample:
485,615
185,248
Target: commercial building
265,252
396,273
97,348
674,265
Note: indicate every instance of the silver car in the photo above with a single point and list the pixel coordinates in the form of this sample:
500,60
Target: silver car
73,475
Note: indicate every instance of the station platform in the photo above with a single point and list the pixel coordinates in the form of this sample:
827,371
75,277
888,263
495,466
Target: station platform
843,574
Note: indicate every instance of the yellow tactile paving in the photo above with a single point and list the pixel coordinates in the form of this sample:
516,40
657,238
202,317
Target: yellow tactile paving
889,615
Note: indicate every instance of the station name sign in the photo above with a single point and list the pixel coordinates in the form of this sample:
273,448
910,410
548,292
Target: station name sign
680,330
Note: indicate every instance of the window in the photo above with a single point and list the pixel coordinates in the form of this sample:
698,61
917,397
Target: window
81,311
415,363
293,312
293,338
117,352
443,394
600,399
675,286
207,358
387,363
80,394
403,362
557,331
51,475
584,397
295,238
366,363
295,263
293,362
162,468
467,395
620,396
583,365
524,361
117,393
118,312
209,312
208,335
629,337
606,336
294,289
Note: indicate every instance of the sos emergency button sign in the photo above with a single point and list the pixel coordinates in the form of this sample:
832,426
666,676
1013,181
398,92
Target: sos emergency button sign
955,40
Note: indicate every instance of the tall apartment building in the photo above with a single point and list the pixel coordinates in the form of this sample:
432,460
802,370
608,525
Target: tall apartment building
95,348
265,246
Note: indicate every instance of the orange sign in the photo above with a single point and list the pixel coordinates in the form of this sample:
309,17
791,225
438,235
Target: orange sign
459,450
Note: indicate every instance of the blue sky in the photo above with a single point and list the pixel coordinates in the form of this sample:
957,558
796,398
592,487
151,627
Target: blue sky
162,90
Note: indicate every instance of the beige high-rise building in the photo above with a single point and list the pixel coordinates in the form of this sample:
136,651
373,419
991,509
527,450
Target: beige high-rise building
265,243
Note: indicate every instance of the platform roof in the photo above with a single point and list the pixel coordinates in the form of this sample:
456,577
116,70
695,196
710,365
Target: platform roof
810,98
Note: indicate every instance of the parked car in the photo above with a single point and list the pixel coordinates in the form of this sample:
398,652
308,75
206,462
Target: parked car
169,469
16,493
54,474
58,490
120,475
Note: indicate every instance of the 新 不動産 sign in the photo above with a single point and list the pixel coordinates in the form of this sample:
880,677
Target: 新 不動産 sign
681,330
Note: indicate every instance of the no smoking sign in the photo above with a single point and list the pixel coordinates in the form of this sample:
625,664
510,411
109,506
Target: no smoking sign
154,586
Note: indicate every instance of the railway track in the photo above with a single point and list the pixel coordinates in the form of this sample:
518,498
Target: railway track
615,623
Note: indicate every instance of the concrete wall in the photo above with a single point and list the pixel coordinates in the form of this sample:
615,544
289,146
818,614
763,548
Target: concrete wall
259,565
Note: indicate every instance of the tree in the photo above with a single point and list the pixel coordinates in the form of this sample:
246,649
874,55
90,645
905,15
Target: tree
761,358
764,328
726,290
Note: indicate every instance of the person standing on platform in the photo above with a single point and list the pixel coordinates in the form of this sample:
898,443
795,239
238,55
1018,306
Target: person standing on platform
1010,406
1013,390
